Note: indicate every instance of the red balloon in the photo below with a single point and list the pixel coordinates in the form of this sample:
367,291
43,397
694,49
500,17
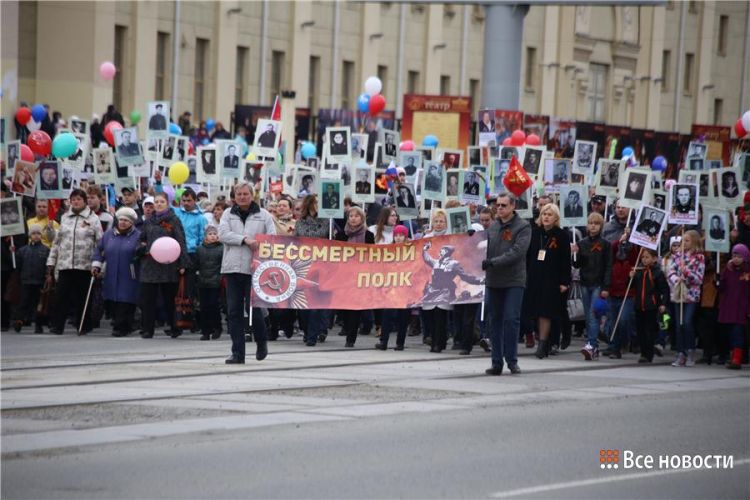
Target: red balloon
191,148
533,140
109,132
377,104
23,115
517,138
26,153
40,143
740,129
507,142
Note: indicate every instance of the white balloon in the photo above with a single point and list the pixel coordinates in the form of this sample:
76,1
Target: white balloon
32,125
746,120
373,86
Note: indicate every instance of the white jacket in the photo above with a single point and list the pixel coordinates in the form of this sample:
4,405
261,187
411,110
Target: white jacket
238,258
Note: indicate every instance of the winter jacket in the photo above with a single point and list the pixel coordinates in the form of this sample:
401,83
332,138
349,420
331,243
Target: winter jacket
234,228
734,287
613,230
651,289
594,259
689,266
624,259
284,227
194,224
507,244
157,226
32,262
48,234
208,262
75,241
369,237
118,252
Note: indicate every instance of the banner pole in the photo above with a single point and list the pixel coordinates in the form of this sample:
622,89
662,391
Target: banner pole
330,229
622,306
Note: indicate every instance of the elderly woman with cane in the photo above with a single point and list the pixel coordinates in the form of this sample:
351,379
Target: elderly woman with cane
70,259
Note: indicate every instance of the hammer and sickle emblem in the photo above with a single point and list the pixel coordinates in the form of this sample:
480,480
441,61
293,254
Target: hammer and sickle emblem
273,281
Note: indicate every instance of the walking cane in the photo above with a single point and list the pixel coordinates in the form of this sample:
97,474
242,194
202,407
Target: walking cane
85,306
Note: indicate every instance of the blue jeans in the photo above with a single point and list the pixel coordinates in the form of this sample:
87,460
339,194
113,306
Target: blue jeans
590,295
625,325
685,328
238,295
505,321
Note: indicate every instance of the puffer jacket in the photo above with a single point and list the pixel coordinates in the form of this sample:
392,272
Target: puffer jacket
234,228
32,261
75,241
194,224
690,266
208,262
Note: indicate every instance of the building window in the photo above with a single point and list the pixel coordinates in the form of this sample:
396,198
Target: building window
199,81
383,75
687,82
693,7
597,92
277,74
239,75
312,83
530,67
347,79
718,110
723,34
121,33
666,65
474,94
445,85
162,49
412,82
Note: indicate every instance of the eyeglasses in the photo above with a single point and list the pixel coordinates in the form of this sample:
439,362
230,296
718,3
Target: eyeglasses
503,205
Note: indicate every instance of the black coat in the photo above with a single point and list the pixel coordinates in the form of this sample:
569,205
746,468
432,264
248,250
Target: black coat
208,261
651,288
369,237
544,277
32,261
152,230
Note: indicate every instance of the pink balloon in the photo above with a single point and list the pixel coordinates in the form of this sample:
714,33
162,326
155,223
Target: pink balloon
165,250
533,140
507,142
107,70
26,153
406,146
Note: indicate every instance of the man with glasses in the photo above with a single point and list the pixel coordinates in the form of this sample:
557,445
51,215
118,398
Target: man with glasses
508,240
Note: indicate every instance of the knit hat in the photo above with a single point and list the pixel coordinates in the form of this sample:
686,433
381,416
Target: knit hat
35,228
401,229
127,213
675,240
400,170
211,229
742,251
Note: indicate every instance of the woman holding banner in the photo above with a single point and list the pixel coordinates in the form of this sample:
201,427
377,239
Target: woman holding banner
315,321
355,231
436,317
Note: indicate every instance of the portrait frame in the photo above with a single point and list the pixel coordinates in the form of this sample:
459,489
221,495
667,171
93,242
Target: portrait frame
405,157
24,178
697,149
715,240
724,200
634,199
405,209
466,193
158,119
533,163
389,153
327,209
208,168
643,224
261,144
553,177
104,162
304,187
339,152
688,214
526,208
79,126
429,183
11,153
78,159
131,155
607,179
55,192
450,193
584,150
459,221
568,218
11,216
364,184
450,158
224,155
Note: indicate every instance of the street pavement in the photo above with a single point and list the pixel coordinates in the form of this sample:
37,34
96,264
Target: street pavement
103,417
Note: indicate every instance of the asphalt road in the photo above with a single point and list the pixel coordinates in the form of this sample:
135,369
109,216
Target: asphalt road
330,423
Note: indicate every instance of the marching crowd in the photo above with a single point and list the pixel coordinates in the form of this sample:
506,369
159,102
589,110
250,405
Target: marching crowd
89,265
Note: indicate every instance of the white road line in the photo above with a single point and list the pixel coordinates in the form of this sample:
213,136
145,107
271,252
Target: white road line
608,479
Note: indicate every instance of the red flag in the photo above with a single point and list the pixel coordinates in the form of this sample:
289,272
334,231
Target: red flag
276,111
517,180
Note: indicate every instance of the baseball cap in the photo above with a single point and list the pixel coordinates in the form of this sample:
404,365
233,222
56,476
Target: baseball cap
148,199
127,190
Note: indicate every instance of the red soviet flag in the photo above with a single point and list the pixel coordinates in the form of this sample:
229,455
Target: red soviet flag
517,180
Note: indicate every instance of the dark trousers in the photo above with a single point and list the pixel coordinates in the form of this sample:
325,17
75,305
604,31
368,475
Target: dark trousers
71,290
281,319
238,300
314,323
5,306
708,330
646,325
210,318
123,314
149,292
29,301
505,320
436,326
351,324
395,320
464,319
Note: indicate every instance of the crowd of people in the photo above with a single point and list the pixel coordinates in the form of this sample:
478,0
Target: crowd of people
87,263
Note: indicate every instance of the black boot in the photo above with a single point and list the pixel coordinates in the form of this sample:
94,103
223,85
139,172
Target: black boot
542,350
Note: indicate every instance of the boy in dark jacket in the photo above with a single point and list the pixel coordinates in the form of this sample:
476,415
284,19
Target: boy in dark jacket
624,259
594,259
651,295
208,262
31,261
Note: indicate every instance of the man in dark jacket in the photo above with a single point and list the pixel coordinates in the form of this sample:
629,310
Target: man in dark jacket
508,240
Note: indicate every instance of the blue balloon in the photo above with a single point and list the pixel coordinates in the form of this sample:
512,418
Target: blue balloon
38,113
659,164
210,124
205,141
627,151
363,103
308,150
430,141
600,307
174,128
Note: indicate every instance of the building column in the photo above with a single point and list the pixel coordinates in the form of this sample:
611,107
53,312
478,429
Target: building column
433,49
224,55
370,42
503,47
301,41
704,96
9,64
653,102
551,69
143,81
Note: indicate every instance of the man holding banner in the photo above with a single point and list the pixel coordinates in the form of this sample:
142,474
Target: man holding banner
508,241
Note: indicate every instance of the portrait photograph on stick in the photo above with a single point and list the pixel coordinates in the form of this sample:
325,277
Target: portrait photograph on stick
716,228
683,204
584,157
649,224
635,188
11,216
573,206
607,180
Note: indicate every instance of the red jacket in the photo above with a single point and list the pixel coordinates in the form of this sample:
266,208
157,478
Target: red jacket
623,260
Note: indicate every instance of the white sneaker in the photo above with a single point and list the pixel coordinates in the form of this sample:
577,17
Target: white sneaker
679,360
588,352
